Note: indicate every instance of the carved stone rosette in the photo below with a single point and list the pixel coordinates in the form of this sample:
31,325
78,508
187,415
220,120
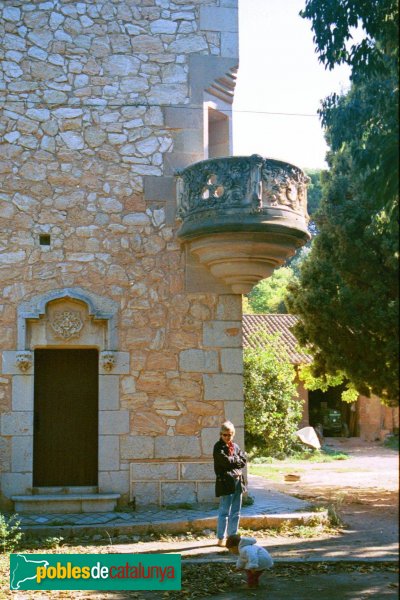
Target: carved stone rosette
66,324
242,216
24,360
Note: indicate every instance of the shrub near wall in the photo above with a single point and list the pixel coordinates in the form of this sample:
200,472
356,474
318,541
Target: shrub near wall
272,408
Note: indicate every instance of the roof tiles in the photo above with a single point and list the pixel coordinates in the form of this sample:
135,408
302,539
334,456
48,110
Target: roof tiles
272,324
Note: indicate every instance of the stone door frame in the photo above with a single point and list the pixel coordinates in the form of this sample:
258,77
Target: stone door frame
17,425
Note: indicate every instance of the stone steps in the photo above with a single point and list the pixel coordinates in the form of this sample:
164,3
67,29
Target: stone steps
42,503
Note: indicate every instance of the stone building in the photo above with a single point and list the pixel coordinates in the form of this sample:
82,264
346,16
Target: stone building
366,418
129,233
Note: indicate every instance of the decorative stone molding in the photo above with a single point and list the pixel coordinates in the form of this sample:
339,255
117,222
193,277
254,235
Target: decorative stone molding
242,217
99,308
24,360
224,87
215,74
67,324
252,184
107,360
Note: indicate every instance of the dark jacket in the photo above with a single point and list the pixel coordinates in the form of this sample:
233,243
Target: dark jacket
228,469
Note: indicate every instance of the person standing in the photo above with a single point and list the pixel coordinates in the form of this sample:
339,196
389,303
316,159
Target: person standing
229,460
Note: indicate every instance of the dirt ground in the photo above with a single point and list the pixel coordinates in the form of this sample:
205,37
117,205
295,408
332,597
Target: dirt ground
362,489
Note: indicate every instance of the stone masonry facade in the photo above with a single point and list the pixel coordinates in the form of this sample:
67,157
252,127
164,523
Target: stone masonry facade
100,103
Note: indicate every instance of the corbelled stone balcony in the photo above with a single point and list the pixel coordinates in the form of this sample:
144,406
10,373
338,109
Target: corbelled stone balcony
242,216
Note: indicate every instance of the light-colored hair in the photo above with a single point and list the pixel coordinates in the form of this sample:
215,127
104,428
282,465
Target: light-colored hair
227,426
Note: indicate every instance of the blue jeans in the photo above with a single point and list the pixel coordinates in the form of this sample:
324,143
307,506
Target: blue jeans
229,512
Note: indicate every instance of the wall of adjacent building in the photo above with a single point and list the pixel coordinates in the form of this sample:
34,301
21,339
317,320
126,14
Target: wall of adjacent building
376,420
101,103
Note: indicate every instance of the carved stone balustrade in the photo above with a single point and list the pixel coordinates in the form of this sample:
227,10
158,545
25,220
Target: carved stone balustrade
242,216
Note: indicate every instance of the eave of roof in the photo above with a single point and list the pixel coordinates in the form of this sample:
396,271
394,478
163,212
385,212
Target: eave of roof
275,324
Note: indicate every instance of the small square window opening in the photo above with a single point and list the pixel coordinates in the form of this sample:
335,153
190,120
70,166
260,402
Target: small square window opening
44,239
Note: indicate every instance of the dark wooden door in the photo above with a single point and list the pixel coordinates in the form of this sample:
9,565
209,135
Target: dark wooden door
65,441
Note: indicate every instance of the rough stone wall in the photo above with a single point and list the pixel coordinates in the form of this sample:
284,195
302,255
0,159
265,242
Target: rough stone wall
84,128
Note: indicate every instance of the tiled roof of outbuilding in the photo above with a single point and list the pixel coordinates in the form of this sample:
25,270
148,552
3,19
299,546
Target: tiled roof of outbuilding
273,323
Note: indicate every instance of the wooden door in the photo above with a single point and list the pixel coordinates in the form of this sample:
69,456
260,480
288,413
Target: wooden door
65,443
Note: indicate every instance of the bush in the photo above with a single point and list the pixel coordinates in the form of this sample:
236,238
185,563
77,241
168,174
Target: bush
392,442
10,533
272,408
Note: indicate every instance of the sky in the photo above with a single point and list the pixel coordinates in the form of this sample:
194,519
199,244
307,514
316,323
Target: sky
279,72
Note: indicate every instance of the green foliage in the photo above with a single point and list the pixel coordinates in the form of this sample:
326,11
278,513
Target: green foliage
272,408
324,455
314,190
325,381
10,533
51,542
334,517
334,23
392,442
347,295
268,295
297,260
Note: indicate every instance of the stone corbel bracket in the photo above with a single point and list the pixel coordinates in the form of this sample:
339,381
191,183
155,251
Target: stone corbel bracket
107,360
24,360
